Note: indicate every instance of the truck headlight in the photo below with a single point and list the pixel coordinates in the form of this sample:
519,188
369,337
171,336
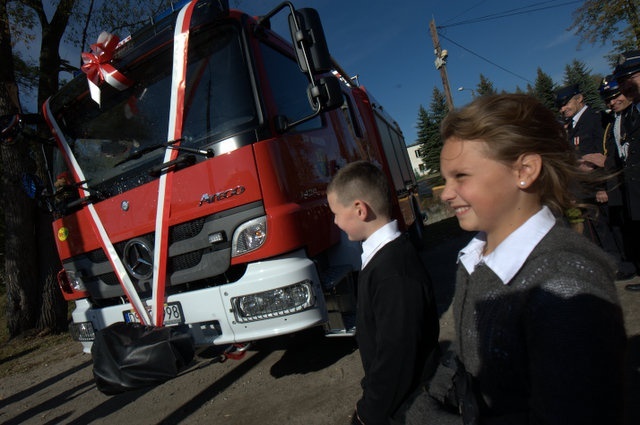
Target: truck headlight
82,331
75,280
249,236
274,303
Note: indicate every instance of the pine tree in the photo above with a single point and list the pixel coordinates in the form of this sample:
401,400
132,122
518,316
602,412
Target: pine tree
438,106
529,90
422,125
485,87
429,130
578,73
544,90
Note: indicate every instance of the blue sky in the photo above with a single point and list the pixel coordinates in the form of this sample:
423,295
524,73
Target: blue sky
388,45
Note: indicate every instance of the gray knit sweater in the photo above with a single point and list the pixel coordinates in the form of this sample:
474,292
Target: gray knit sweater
547,348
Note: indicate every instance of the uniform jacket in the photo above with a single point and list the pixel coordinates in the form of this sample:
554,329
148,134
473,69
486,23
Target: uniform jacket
587,134
631,135
613,164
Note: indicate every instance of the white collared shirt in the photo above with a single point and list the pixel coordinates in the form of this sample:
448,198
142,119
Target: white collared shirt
622,148
507,259
378,239
577,116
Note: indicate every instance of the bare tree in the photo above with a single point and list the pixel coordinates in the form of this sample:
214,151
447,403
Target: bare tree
34,301
31,262
20,300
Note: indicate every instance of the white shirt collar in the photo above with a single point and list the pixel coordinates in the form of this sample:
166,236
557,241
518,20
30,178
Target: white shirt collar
507,259
577,116
378,239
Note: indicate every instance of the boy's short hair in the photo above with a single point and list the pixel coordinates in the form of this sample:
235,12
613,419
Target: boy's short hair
362,180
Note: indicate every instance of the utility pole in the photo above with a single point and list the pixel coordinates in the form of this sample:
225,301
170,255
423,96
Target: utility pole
441,62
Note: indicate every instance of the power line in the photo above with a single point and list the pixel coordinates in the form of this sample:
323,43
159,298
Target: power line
512,12
535,7
485,59
466,10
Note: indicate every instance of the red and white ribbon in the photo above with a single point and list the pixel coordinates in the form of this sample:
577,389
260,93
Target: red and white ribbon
165,185
98,228
98,70
96,64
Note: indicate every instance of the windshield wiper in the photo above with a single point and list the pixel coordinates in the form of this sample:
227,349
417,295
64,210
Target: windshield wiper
204,152
138,154
182,161
94,195
170,144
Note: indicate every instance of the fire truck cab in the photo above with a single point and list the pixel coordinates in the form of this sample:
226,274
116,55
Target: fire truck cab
191,172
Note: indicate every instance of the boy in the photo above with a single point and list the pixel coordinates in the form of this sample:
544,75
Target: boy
397,321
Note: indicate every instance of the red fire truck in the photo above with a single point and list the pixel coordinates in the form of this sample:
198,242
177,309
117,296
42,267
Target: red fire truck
199,150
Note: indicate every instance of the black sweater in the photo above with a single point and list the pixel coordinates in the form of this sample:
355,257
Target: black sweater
397,328
548,348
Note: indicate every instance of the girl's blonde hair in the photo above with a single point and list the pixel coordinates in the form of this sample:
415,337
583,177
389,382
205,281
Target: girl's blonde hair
515,124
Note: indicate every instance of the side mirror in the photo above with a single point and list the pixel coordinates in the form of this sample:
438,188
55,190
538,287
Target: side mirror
325,94
312,54
309,41
10,127
13,125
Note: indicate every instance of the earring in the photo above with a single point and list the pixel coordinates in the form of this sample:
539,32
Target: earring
522,183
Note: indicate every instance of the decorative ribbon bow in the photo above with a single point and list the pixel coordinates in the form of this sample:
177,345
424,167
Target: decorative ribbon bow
96,66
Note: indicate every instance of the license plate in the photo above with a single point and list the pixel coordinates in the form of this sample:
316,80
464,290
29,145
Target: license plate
172,314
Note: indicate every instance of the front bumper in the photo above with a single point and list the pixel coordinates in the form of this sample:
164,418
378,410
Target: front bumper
213,316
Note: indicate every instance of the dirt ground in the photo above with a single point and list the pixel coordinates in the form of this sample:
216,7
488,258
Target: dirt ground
302,379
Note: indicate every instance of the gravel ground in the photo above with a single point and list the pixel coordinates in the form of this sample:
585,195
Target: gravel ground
302,379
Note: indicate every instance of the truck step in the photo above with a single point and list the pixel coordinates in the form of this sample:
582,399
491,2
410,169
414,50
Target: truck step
348,329
340,297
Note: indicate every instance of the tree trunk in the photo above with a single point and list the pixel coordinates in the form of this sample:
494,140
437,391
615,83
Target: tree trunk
52,315
23,295
33,300
19,266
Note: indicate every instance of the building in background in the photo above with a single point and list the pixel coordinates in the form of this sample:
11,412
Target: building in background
415,155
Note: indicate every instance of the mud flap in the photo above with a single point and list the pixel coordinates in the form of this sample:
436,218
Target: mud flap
129,356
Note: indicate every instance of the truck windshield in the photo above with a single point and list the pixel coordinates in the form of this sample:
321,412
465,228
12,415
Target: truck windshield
218,103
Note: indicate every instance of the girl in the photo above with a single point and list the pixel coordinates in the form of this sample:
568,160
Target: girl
539,331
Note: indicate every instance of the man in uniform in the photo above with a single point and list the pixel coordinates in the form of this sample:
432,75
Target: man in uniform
584,125
627,73
610,197
585,132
